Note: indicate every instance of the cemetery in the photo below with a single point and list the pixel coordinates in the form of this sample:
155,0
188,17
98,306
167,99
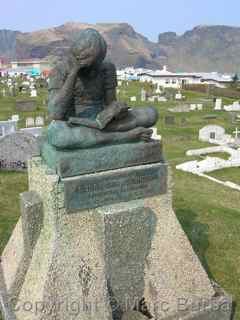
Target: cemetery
208,212
228,144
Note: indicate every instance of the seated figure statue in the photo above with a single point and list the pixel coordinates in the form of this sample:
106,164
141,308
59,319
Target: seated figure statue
82,100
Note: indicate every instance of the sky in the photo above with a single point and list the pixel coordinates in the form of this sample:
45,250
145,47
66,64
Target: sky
149,17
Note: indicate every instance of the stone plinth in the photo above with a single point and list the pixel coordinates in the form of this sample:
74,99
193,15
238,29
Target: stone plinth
100,263
71,163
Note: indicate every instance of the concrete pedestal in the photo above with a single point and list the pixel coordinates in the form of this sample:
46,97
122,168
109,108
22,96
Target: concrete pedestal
101,263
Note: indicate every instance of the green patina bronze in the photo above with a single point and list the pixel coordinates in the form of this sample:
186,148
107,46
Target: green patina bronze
69,163
83,103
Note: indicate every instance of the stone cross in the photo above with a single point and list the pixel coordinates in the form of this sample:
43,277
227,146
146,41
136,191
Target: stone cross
236,133
39,121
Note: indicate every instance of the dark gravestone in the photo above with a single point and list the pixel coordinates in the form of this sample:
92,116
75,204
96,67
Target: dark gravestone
210,117
184,122
16,149
169,120
26,105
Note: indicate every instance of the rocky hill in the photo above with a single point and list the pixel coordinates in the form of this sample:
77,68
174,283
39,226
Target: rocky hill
205,48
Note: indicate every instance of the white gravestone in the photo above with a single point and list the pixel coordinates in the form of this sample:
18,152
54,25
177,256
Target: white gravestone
30,122
237,133
143,95
39,122
158,90
133,99
178,96
162,99
33,93
218,104
15,117
155,134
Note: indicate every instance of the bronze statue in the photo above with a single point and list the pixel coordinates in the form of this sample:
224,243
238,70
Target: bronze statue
83,103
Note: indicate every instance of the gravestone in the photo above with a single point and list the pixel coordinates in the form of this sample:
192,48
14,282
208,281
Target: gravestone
30,122
180,108
15,150
39,121
143,95
184,122
162,99
15,117
178,96
7,127
212,132
155,135
26,105
218,104
158,90
210,117
169,120
133,99
33,93
193,107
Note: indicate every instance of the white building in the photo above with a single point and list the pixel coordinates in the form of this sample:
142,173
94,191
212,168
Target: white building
166,79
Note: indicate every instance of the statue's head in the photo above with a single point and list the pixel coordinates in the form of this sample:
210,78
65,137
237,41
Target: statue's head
89,48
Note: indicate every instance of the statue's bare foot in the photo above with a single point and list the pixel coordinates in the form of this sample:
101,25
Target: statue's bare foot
141,133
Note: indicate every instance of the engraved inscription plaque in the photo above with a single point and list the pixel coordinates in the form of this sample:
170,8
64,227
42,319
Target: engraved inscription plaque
109,187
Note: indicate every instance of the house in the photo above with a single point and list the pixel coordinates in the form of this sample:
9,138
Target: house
167,79
31,67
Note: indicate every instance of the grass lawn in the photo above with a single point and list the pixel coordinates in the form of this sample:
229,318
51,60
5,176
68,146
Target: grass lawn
208,212
231,174
222,155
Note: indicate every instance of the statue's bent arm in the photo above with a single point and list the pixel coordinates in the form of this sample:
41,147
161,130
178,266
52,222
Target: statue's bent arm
62,98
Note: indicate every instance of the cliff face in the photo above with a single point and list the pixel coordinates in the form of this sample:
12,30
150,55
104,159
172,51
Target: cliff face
8,43
205,48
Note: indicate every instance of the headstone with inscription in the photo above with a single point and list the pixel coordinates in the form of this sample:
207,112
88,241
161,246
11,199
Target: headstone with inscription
16,149
98,231
169,120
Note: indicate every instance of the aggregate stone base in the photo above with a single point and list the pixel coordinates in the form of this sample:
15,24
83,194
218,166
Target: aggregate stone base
100,263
